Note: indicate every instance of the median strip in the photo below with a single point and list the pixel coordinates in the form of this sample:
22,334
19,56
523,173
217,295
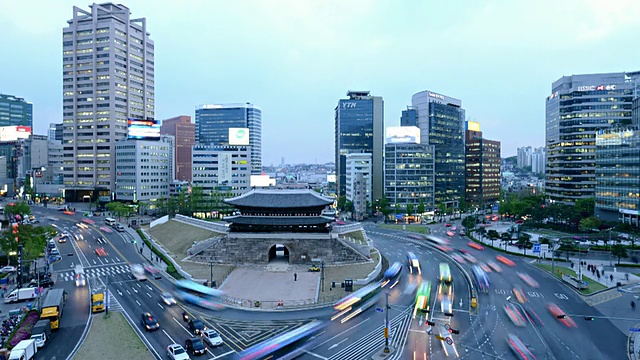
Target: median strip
592,285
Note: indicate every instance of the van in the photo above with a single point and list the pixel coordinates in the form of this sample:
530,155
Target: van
41,332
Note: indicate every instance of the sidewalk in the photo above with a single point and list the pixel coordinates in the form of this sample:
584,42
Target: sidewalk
145,251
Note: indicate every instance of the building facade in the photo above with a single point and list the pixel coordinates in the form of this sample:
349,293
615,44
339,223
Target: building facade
184,132
441,120
222,169
409,175
538,160
524,156
108,77
55,161
358,182
15,111
144,169
409,117
483,174
213,122
55,132
359,128
578,107
617,189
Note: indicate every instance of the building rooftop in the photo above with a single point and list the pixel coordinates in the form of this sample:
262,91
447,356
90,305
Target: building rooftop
279,220
272,198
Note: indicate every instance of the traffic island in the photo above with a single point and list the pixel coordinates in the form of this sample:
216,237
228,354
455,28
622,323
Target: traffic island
561,271
381,354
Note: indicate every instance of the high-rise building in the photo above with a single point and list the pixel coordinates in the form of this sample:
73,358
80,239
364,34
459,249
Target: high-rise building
524,156
358,182
359,128
538,160
213,122
108,72
144,169
441,120
184,132
482,168
55,132
15,111
222,169
409,117
578,107
617,189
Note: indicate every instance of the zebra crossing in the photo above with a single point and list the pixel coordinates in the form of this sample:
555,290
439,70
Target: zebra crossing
97,272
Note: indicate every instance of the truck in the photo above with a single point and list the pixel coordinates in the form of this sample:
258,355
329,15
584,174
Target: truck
25,350
97,302
41,332
53,306
21,295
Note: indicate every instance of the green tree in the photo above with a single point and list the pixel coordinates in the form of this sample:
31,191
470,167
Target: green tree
619,251
410,209
524,240
32,238
589,223
492,234
421,207
384,206
505,236
342,200
584,207
469,222
21,208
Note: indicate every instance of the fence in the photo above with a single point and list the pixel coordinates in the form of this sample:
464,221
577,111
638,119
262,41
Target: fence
213,226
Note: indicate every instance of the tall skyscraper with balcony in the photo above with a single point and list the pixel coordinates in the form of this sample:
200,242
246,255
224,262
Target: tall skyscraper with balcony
108,72
441,120
15,111
213,122
578,107
482,168
184,132
359,128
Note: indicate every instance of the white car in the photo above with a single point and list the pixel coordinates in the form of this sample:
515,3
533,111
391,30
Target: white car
7,269
168,299
177,352
212,338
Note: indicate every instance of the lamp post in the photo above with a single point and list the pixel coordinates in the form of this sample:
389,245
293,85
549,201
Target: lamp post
610,263
211,276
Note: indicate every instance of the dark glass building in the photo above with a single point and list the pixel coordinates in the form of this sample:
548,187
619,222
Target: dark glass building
359,127
578,107
409,117
213,123
15,111
617,189
482,168
441,122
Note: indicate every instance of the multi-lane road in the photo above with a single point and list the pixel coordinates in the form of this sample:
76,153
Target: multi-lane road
483,331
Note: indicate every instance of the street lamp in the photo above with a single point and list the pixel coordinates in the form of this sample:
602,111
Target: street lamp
211,268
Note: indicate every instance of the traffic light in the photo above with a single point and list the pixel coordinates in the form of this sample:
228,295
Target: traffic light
454,331
561,316
430,323
589,318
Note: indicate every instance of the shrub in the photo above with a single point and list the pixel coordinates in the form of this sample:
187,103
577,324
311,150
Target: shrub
23,330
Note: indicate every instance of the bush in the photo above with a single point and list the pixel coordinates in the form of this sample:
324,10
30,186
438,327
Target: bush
23,330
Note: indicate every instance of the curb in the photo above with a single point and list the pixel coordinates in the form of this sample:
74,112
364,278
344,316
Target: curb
571,288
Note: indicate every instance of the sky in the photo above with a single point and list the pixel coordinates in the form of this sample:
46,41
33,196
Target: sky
296,59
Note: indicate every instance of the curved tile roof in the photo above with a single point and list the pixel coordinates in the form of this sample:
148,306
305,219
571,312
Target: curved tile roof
272,198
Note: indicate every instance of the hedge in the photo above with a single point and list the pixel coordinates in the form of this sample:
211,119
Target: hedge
23,330
171,270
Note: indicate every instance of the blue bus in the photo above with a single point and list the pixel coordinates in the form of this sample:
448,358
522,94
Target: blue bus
200,295
357,302
392,275
285,346
482,280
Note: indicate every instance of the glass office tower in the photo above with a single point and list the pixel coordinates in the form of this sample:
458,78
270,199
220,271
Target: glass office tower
15,111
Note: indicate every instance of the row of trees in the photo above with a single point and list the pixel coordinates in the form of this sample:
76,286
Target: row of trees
188,203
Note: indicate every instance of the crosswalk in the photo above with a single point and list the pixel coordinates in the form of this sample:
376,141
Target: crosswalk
97,272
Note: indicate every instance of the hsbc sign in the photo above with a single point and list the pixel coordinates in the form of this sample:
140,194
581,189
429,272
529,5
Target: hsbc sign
596,87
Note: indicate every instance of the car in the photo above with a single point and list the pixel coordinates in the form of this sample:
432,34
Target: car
458,258
177,352
168,299
470,258
63,238
46,282
7,269
314,268
120,228
54,252
528,280
101,252
560,315
514,315
475,246
462,233
505,261
446,305
450,233
196,326
494,266
80,280
149,322
453,228
212,338
519,294
447,225
519,348
485,267
195,346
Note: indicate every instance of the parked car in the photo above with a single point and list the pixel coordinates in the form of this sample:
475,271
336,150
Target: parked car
7,269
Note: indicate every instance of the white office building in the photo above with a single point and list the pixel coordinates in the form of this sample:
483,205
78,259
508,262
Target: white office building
538,159
144,169
222,169
108,72
359,167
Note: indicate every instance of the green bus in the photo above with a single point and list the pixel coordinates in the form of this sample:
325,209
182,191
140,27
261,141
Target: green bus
423,297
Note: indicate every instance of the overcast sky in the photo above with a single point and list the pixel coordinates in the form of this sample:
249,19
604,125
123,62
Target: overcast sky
295,59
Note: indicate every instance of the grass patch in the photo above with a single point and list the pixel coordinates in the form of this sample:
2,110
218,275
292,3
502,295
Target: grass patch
552,233
356,236
592,285
115,337
413,228
177,237
171,270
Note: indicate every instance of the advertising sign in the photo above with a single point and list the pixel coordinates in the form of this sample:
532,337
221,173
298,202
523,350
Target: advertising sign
13,133
239,136
140,129
403,134
224,168
614,137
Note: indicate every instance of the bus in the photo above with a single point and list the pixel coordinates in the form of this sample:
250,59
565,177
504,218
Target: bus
445,273
196,294
392,275
413,263
138,272
357,302
110,222
423,297
286,346
482,280
52,307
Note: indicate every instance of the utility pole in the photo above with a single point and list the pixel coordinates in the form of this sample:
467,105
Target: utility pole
386,323
211,275
610,263
322,275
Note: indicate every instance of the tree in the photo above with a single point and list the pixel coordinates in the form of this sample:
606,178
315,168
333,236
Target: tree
421,207
589,223
32,238
524,240
492,234
469,222
584,207
21,208
620,251
410,209
384,207
342,200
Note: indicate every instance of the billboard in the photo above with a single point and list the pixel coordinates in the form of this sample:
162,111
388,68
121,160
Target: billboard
615,136
13,133
140,129
403,134
239,136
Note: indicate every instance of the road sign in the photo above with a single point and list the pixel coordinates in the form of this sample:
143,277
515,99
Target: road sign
536,248
449,340
634,329
447,326
378,309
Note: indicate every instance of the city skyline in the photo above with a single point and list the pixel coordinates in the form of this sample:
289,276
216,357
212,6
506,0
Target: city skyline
270,60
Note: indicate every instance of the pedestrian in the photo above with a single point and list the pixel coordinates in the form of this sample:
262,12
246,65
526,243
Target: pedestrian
611,277
295,276
141,250
626,276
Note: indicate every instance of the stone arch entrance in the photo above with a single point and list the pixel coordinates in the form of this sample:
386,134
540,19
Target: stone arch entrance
279,253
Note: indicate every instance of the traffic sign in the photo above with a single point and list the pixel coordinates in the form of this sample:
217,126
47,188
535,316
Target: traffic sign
635,329
447,326
379,309
536,248
449,341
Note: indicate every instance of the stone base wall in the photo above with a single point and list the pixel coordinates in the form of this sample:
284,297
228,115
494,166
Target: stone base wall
243,248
